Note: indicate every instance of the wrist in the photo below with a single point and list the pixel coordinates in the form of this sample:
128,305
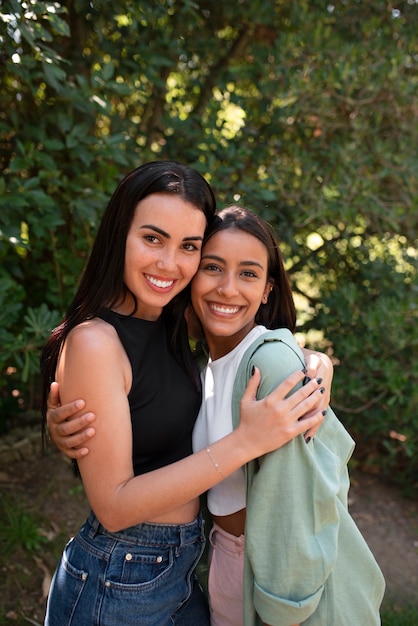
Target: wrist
246,444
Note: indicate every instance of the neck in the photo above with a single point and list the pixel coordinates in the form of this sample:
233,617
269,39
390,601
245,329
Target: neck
219,346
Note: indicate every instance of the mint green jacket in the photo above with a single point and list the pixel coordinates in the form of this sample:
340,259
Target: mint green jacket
305,559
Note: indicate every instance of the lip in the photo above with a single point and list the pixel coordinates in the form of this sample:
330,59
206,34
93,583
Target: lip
160,283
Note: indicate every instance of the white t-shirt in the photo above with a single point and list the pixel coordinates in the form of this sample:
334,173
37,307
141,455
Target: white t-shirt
215,421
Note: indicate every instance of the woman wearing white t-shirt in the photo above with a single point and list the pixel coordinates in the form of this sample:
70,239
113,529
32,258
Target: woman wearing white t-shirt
305,560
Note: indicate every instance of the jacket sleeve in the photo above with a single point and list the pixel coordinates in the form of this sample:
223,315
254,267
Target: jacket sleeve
291,535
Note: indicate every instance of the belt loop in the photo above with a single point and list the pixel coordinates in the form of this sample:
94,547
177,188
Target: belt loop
181,539
212,537
94,524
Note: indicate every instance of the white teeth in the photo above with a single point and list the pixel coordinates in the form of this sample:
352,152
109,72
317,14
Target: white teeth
225,309
163,284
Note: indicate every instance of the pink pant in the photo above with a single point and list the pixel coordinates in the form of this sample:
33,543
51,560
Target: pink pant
226,574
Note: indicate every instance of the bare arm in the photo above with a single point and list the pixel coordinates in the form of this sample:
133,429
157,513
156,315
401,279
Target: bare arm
71,433
119,499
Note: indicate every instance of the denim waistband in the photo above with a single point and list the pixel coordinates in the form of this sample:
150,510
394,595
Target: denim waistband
147,534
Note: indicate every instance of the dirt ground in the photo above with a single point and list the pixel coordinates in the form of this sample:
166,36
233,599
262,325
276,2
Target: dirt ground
47,491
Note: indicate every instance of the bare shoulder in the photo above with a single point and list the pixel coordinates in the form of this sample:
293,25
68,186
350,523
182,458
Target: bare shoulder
95,342
93,355
93,334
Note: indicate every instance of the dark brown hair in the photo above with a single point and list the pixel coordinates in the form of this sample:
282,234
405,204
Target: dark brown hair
102,283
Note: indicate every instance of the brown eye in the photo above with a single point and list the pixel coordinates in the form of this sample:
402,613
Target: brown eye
190,247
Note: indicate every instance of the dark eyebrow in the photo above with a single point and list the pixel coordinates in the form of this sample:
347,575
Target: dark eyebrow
214,257
167,236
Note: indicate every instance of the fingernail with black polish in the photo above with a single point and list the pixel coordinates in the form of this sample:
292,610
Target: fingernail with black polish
324,412
306,380
319,381
308,439
322,389
252,371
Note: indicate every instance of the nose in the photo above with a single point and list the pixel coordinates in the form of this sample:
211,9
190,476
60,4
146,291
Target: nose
228,286
168,261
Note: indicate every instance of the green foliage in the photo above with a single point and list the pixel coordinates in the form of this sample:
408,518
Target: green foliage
399,616
20,353
18,529
304,111
375,338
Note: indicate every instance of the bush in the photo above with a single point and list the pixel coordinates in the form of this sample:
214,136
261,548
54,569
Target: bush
300,110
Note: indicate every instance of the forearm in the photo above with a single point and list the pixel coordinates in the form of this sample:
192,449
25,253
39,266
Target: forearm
265,426
160,495
121,500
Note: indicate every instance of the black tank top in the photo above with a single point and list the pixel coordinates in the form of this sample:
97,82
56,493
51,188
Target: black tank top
163,401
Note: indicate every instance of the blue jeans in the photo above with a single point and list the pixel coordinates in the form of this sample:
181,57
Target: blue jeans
141,576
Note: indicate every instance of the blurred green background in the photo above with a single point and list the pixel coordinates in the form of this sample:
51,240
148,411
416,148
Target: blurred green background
306,112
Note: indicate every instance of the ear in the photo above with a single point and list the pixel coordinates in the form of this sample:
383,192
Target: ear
269,287
267,291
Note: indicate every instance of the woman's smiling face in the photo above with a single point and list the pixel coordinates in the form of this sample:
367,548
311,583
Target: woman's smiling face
229,287
162,252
